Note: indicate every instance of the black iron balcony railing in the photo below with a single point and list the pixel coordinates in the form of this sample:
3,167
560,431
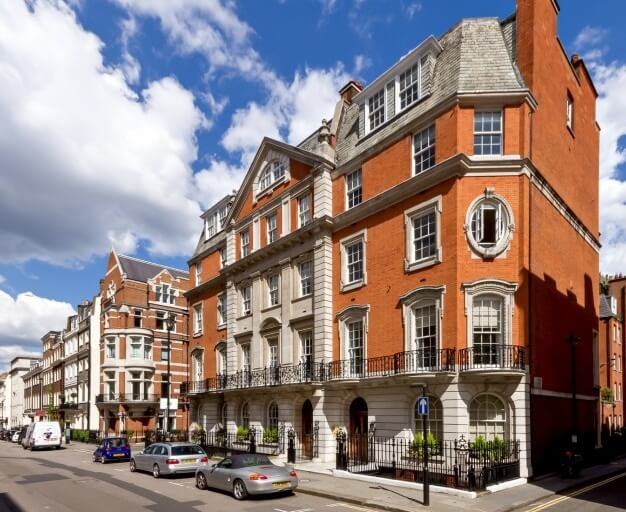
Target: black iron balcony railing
402,363
128,397
492,357
68,406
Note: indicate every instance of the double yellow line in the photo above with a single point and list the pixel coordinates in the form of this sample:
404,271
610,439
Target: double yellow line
583,490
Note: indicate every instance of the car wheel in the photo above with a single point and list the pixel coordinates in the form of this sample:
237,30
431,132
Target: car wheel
156,471
201,481
102,459
239,490
133,467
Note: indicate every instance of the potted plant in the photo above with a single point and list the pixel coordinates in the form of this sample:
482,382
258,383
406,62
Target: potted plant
241,435
270,435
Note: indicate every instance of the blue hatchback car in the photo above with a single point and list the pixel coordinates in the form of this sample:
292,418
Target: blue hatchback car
112,448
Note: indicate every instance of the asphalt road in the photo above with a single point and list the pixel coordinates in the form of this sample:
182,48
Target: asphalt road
67,480
606,495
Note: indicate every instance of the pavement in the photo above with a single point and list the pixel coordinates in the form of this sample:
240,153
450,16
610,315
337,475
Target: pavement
387,496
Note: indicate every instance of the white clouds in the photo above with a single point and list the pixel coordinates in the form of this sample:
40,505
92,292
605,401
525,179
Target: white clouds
361,63
328,6
610,81
25,320
90,162
2,279
412,9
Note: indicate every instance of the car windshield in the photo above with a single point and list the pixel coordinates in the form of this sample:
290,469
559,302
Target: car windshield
246,461
118,443
190,449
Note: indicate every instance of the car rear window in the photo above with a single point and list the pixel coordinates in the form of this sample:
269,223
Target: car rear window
192,449
118,443
246,461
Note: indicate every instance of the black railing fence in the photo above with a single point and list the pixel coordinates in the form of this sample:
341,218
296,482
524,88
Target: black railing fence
510,357
458,463
401,363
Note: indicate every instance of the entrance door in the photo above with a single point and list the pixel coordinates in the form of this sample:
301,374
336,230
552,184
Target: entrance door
358,431
307,429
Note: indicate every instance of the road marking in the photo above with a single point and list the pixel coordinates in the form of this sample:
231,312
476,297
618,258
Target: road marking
176,483
280,510
120,470
561,499
347,505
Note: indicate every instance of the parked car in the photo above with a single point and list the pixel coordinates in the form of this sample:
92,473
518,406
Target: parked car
15,436
169,458
22,433
26,439
246,474
110,449
45,434
3,434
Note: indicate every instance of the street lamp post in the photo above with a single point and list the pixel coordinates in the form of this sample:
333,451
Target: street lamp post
40,396
426,501
171,322
574,340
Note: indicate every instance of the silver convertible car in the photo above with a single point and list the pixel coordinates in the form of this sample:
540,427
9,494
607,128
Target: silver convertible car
247,474
169,459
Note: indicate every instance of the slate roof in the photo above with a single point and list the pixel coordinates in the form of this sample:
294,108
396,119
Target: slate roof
605,307
140,270
476,57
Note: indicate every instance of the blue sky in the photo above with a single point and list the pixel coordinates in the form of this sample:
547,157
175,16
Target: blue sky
125,118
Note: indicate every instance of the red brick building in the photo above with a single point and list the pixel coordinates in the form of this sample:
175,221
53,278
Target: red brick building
137,298
441,228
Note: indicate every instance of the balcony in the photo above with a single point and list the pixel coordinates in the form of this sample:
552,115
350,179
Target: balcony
416,362
68,406
118,398
493,359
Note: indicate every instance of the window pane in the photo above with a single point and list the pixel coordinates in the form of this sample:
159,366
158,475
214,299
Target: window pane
424,236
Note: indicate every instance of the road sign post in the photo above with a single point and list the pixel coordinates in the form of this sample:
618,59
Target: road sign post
423,409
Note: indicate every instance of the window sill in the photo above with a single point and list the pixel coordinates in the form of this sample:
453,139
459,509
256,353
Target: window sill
301,298
197,334
418,265
269,308
246,315
221,327
267,191
353,286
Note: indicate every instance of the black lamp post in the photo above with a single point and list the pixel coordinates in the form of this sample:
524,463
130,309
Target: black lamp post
425,475
573,341
41,396
170,324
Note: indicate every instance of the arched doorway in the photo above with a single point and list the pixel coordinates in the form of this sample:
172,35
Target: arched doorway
358,431
307,429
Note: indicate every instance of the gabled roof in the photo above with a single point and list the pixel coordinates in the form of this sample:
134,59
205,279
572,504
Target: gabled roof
605,307
141,270
297,153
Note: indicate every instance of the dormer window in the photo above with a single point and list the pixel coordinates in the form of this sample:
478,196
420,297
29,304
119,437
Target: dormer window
376,106
272,172
165,294
409,86
210,226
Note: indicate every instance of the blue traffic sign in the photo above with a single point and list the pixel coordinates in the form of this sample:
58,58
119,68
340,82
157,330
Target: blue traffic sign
423,406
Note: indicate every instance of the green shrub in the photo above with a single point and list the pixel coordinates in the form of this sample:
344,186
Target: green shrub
242,434
270,435
417,446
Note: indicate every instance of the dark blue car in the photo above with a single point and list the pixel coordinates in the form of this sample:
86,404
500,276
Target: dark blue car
112,448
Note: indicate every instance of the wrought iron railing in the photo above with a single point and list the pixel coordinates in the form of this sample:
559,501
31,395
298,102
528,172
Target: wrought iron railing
451,463
401,363
495,357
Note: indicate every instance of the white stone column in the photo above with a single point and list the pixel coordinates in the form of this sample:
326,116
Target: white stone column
322,298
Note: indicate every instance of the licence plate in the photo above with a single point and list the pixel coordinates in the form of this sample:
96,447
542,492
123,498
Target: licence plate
118,455
53,439
189,461
280,484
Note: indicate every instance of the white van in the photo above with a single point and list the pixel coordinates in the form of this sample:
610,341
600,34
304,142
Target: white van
45,434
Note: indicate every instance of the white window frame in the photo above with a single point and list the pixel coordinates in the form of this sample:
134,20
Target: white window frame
110,340
198,269
504,223
245,292
495,287
273,292
144,342
210,224
304,209
359,236
306,336
220,361
272,227
222,256
346,317
488,133
569,112
352,189
221,217
145,381
273,342
302,279
431,206
421,296
504,423
421,151
245,357
417,83
107,380
371,115
197,359
222,311
244,241
197,318
165,293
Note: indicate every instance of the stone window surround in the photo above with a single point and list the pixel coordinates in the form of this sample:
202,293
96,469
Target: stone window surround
295,272
434,204
224,310
509,424
352,313
343,243
422,295
197,314
504,243
271,157
498,287
193,355
107,340
145,340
